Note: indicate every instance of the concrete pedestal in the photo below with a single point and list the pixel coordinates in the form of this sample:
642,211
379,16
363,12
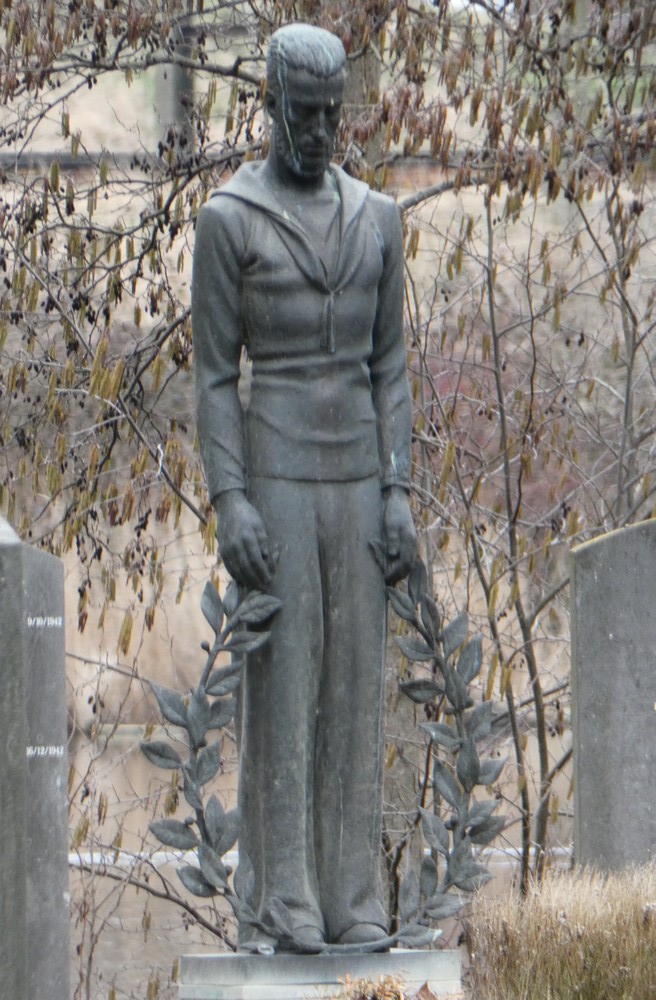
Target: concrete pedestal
304,977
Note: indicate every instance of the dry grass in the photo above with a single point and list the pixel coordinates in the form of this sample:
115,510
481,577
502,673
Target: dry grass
386,988
578,936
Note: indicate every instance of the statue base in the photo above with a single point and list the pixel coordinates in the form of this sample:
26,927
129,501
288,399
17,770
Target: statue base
299,977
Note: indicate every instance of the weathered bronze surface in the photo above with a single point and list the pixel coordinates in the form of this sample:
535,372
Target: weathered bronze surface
302,266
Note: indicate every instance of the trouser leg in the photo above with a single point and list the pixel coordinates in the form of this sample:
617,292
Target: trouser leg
311,742
349,740
279,697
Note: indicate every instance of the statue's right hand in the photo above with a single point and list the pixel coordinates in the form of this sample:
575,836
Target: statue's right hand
243,541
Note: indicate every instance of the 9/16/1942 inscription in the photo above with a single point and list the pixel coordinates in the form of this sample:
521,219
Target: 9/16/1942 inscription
45,621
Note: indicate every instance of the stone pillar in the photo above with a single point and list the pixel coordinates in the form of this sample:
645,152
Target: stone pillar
175,89
13,776
34,767
614,697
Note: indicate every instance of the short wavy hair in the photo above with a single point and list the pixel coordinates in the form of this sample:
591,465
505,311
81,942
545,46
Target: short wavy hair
303,47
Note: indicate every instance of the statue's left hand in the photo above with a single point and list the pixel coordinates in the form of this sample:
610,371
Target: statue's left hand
399,535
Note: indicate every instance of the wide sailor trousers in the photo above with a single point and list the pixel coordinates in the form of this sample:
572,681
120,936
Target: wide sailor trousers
311,751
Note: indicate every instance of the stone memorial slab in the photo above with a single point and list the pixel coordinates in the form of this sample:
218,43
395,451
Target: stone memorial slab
613,582
303,977
13,776
35,885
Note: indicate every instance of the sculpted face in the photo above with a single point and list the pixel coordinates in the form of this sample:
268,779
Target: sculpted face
306,112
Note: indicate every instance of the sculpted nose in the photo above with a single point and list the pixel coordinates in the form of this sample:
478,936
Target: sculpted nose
319,124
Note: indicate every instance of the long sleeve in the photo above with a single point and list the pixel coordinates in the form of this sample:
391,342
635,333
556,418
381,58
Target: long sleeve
218,340
391,394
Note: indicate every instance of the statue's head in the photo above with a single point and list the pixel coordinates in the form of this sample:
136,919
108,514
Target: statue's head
305,89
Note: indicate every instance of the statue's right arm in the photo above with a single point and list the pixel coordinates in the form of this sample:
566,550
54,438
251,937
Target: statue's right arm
217,336
218,339
243,541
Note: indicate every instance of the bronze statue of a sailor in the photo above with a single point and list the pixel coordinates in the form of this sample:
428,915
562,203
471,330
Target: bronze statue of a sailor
302,266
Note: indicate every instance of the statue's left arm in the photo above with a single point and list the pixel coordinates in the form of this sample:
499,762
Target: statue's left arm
391,397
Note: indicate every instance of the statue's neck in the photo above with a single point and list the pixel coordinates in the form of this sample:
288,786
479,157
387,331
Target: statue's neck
279,174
